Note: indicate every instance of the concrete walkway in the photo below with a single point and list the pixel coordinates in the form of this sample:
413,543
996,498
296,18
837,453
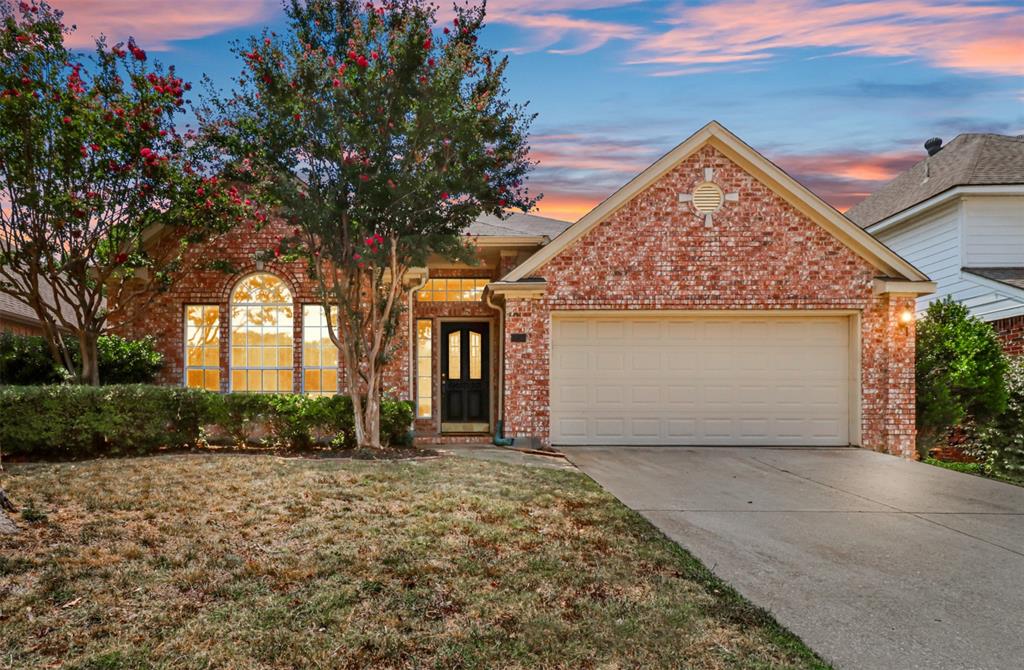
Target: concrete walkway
874,561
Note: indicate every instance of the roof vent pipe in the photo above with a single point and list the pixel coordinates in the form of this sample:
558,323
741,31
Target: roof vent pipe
933,146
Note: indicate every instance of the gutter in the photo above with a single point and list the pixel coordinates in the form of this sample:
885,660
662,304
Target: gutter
941,199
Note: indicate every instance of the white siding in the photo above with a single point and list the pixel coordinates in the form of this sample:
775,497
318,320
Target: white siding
932,243
993,231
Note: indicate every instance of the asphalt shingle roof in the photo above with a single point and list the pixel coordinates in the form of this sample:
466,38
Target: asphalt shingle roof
517,225
12,308
1011,276
971,159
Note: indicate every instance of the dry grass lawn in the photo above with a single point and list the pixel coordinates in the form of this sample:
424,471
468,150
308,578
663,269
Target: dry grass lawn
221,561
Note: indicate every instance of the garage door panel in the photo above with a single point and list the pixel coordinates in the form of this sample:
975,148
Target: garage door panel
692,380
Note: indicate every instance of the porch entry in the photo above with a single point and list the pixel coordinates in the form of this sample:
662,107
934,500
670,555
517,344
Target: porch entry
465,377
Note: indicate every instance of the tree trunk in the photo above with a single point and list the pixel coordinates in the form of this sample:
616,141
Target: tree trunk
90,373
371,422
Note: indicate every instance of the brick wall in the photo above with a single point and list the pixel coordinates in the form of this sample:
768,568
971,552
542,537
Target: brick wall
760,253
164,316
1011,332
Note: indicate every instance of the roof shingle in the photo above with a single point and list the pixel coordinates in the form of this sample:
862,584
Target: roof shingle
971,159
517,225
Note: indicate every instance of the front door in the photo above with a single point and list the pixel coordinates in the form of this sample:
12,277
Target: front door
465,377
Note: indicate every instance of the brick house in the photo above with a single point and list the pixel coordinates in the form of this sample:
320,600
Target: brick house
711,300
958,214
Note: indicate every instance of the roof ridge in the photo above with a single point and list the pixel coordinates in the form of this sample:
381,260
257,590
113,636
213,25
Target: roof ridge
976,158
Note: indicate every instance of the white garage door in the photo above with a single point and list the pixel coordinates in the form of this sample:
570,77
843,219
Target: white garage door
631,380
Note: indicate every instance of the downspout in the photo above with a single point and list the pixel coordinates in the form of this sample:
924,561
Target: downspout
499,429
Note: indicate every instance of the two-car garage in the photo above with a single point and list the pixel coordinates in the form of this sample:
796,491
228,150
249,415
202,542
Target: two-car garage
655,379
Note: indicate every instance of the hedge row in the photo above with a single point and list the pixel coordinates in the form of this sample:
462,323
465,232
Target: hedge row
66,421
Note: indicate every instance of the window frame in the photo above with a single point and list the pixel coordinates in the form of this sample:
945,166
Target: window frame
185,367
231,336
430,289
429,357
320,368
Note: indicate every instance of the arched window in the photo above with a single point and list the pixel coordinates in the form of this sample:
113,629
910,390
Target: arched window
262,335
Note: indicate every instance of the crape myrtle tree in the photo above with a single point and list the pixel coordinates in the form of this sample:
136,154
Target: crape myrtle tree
383,134
91,163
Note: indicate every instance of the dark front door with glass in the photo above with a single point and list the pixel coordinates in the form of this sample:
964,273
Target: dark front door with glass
465,377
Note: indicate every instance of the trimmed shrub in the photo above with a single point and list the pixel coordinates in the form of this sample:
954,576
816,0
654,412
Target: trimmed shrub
25,359
241,415
78,421
960,372
65,421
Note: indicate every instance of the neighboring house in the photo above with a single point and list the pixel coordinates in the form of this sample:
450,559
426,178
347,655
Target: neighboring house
958,215
18,318
712,300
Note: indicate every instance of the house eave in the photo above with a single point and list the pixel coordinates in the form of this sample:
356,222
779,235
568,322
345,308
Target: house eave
521,290
940,199
903,287
508,241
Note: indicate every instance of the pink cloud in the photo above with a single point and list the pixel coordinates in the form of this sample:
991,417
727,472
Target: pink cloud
567,206
955,35
579,152
155,23
843,178
547,30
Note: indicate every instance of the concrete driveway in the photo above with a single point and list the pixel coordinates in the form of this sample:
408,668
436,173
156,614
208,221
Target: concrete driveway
874,561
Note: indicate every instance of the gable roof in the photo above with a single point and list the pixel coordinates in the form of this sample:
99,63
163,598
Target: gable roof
971,159
517,225
886,260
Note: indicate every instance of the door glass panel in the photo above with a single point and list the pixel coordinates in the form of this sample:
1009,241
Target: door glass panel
455,355
475,355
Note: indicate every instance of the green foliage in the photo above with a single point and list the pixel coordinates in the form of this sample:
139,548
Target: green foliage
379,136
960,372
124,361
970,468
92,159
1004,440
66,421
395,419
240,415
25,359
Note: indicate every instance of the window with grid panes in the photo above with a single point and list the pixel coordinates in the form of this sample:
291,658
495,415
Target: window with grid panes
262,335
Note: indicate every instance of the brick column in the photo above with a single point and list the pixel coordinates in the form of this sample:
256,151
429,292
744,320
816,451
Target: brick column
527,389
900,419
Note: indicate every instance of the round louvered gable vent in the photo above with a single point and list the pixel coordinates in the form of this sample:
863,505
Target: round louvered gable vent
707,198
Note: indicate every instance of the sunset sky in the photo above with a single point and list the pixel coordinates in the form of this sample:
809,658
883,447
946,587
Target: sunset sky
841,95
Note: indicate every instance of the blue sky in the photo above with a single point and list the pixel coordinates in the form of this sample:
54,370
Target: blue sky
840,94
